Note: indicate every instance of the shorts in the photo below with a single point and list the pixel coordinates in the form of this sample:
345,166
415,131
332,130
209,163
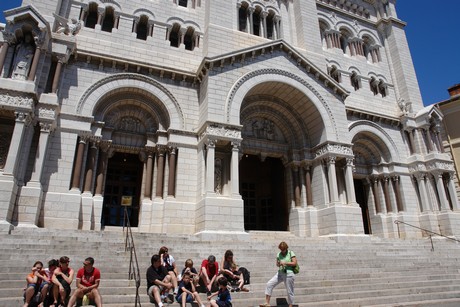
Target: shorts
150,292
188,300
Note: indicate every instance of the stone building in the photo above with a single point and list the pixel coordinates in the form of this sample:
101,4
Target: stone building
222,116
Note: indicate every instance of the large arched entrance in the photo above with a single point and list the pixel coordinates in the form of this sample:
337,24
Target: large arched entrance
262,189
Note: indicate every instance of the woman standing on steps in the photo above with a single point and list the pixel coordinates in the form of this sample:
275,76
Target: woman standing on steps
286,262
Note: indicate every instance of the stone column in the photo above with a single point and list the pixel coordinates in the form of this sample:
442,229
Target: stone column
136,23
375,192
101,166
160,173
429,144
78,164
210,157
276,26
453,192
412,142
35,60
303,189
437,137
308,186
332,177
441,191
23,119
91,162
386,194
234,171
3,54
45,130
351,197
57,75
420,178
172,172
251,20
295,184
264,22
100,16
397,187
117,20
149,174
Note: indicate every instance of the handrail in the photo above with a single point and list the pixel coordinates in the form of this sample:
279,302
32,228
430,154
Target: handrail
133,264
431,233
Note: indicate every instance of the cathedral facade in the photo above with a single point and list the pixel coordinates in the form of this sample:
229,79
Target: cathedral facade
222,116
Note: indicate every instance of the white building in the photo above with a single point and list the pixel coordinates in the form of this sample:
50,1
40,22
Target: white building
218,116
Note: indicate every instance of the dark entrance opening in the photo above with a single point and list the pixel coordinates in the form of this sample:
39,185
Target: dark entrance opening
122,189
361,199
263,190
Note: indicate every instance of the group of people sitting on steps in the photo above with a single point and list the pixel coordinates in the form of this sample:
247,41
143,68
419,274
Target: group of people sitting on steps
165,283
50,287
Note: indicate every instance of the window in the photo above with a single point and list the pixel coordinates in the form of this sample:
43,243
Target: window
243,17
142,28
256,21
378,87
270,19
371,50
109,20
189,39
374,85
383,88
91,19
355,81
183,3
335,74
344,39
174,36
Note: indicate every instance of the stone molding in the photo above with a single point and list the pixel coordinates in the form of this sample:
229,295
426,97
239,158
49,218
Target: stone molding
334,150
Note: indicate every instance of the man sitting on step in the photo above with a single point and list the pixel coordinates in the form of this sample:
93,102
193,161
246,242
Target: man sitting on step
88,279
158,282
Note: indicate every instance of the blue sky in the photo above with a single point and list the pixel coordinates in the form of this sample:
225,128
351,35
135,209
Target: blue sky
432,31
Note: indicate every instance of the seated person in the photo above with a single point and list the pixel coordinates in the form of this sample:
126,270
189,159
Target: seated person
187,292
158,282
192,271
62,279
37,281
49,271
224,298
209,272
88,279
231,272
168,261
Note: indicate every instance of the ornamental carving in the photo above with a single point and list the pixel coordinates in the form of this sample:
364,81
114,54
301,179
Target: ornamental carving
334,149
440,165
44,113
16,101
264,129
222,131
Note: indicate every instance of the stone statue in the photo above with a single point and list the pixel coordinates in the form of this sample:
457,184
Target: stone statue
23,56
405,106
67,27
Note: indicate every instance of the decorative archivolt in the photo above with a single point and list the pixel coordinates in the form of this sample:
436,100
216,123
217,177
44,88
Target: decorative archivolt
334,149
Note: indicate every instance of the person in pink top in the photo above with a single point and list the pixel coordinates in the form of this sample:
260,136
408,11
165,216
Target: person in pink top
88,279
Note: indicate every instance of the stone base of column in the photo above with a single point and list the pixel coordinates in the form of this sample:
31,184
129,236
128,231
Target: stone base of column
87,218
8,192
340,220
378,225
30,204
449,223
145,215
406,231
62,210
297,221
220,214
98,201
156,217
5,227
429,221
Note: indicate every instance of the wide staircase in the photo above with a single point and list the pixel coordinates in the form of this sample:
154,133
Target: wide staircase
340,271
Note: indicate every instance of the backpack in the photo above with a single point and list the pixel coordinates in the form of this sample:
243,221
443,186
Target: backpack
246,275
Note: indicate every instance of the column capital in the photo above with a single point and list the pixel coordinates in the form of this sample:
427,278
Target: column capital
211,143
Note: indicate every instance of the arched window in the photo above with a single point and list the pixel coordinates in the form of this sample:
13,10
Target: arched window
344,40
355,80
183,3
270,21
189,39
335,73
325,42
142,28
383,88
374,84
256,19
174,36
109,19
91,18
243,17
371,50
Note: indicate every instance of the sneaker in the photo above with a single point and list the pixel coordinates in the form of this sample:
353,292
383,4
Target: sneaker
208,293
168,300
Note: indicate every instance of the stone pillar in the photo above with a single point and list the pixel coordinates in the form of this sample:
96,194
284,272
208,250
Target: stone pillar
91,162
78,164
149,175
57,76
101,167
100,16
234,171
3,54
351,197
45,130
375,192
251,20
441,191
420,178
182,32
453,192
397,187
160,173
332,177
295,184
264,22
276,26
308,186
437,138
23,120
386,194
412,141
303,189
35,60
429,144
210,157
172,172
117,20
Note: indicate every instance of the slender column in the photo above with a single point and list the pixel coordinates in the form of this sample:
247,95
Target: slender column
172,172
437,138
397,187
411,141
276,26
149,175
91,162
100,15
251,20
295,184
420,178
160,173
182,36
83,14
35,61
303,189
453,192
308,186
351,197
45,130
78,164
441,191
101,167
332,176
375,191
234,175
280,28
57,75
429,143
117,20
12,160
210,157
264,22
386,194
3,54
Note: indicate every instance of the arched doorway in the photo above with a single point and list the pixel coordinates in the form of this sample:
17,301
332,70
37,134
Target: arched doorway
122,189
361,199
262,187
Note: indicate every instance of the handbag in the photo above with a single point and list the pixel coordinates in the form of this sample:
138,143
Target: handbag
295,269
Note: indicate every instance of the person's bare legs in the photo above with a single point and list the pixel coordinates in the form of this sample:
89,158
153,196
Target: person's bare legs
30,291
97,297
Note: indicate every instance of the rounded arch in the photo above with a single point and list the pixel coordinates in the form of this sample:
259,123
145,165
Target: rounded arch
148,13
366,134
98,91
346,27
243,86
371,36
113,3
